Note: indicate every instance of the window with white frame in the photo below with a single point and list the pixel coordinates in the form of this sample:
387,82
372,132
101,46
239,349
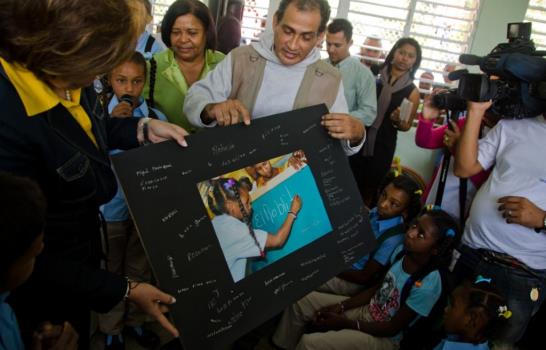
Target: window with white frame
334,5
254,19
254,16
159,8
443,28
536,13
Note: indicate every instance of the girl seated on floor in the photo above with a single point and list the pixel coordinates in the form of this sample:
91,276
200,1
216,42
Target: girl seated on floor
475,314
376,318
399,202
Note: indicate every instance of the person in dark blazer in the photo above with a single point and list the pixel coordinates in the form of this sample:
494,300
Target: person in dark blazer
54,129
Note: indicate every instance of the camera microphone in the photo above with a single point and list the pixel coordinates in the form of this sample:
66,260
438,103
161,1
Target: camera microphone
127,99
470,60
457,74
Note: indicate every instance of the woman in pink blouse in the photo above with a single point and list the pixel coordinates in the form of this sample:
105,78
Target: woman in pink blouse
430,137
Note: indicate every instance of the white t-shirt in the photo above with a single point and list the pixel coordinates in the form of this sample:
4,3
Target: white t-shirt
237,244
517,149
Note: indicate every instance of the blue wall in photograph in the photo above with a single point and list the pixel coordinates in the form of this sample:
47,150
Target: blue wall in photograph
271,209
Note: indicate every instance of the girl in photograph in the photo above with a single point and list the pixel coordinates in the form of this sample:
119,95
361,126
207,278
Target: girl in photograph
229,200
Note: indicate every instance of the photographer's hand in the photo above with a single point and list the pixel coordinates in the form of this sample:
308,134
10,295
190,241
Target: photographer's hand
452,136
520,210
430,111
477,109
466,157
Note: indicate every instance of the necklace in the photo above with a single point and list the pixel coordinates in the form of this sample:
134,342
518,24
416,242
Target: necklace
68,95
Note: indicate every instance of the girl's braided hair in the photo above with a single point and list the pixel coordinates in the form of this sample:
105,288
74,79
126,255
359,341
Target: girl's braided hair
448,233
483,297
410,187
226,189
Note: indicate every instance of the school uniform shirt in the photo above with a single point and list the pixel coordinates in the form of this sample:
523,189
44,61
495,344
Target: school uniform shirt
10,337
237,243
157,46
384,251
452,343
421,299
116,209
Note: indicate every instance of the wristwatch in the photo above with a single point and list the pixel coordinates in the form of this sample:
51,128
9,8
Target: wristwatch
537,230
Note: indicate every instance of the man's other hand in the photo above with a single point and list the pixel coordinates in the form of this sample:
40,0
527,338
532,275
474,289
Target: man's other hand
344,127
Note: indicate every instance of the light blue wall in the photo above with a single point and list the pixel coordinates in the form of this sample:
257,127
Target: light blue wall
492,20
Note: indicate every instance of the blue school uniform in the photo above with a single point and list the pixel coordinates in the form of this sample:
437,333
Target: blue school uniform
10,337
116,209
452,343
142,42
421,299
384,251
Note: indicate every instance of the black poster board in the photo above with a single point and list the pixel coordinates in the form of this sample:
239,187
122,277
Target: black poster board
163,184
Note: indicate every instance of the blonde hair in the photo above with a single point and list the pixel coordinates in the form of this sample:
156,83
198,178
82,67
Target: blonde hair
70,40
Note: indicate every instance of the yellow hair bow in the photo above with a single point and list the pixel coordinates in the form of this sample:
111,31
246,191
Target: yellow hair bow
504,312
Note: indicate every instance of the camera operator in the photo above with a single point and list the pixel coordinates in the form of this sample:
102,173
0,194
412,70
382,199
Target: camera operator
505,236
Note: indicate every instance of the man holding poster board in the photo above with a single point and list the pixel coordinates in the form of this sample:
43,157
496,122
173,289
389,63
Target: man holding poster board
281,72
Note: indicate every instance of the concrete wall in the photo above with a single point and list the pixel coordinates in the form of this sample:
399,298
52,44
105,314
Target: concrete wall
492,20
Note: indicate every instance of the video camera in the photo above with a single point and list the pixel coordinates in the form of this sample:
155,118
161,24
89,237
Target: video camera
515,78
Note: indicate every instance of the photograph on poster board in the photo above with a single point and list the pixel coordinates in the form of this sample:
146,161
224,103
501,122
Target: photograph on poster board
264,211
